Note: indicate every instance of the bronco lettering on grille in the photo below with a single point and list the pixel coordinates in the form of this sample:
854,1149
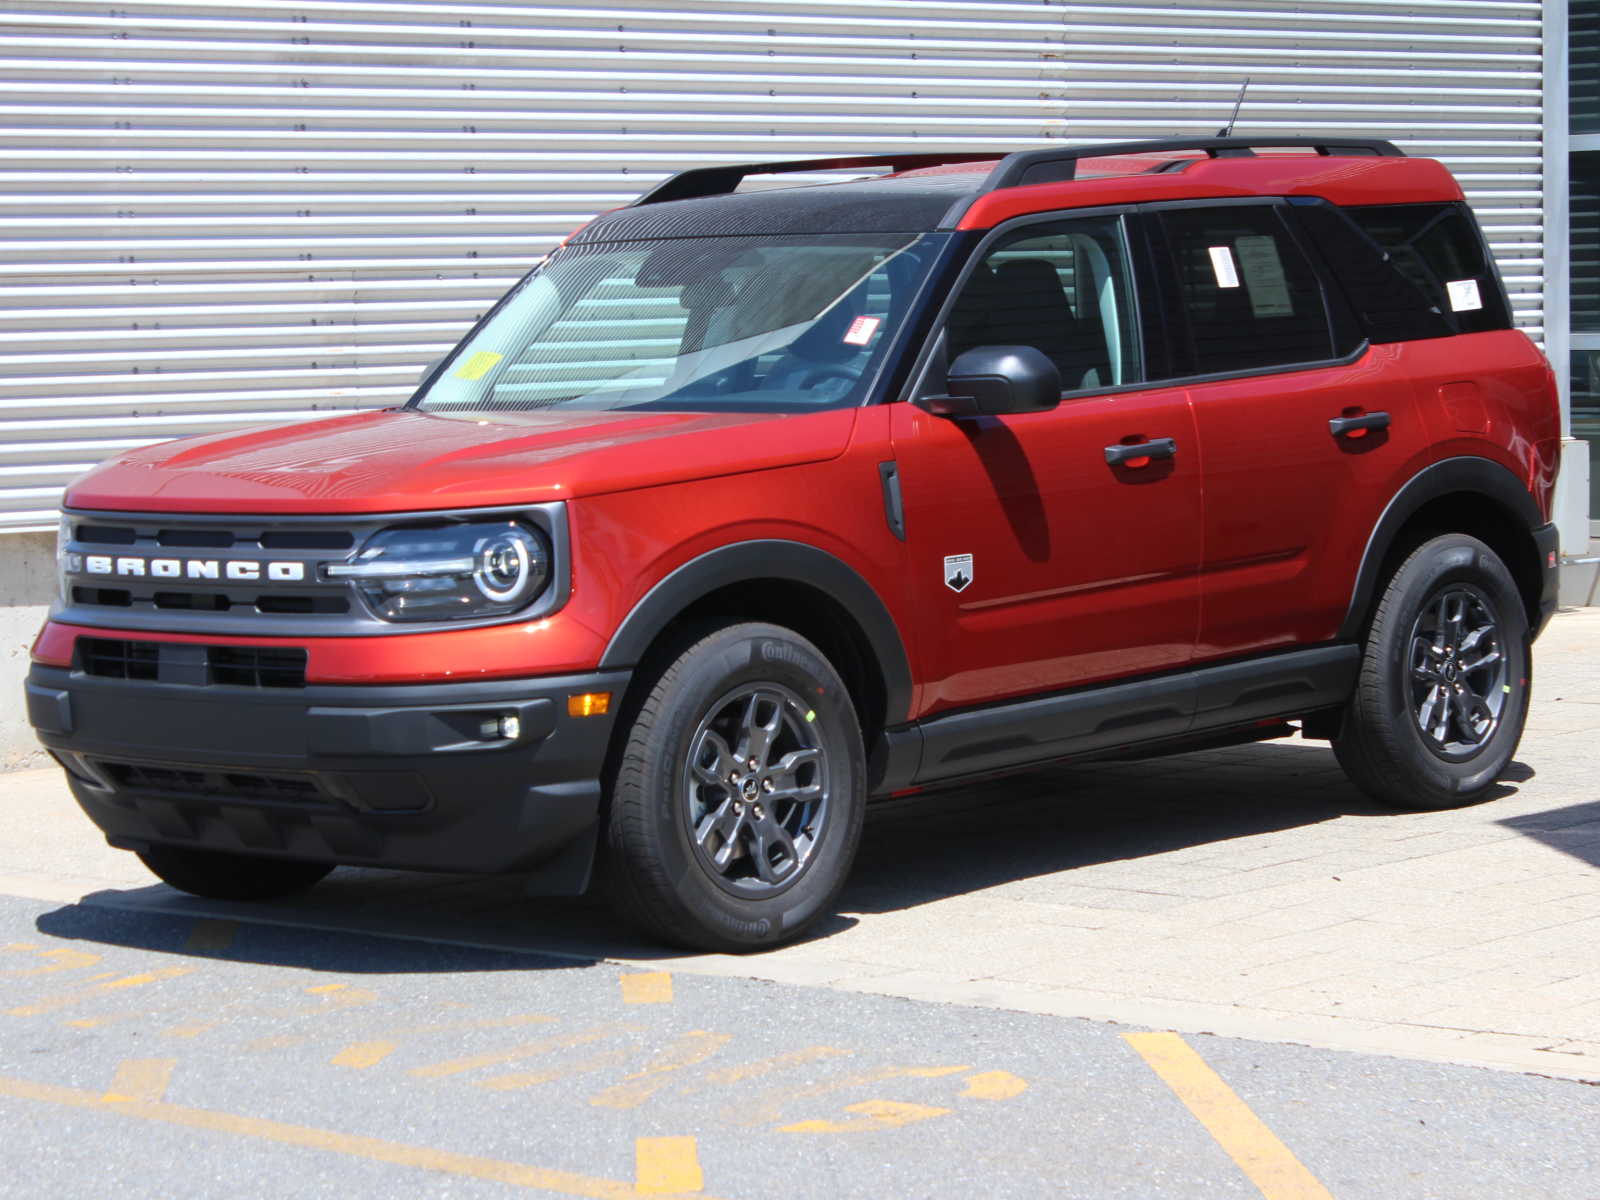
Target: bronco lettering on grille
241,570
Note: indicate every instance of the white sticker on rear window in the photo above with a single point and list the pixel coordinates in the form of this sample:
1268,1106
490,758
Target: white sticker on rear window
1227,271
1464,295
861,330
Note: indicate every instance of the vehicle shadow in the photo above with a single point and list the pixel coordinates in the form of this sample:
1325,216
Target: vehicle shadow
1573,830
915,850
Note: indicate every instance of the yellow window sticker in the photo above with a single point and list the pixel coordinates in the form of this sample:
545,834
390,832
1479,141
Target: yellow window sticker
478,365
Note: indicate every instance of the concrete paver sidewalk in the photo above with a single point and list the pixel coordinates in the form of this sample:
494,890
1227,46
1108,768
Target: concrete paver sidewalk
1249,891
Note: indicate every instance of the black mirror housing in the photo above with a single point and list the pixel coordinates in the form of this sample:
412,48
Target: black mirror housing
994,381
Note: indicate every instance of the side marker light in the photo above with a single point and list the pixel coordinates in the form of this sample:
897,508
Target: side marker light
589,704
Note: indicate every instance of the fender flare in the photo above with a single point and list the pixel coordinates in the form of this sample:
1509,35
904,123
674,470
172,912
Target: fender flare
1467,474
769,559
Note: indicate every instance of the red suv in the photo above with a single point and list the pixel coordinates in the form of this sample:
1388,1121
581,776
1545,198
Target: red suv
745,507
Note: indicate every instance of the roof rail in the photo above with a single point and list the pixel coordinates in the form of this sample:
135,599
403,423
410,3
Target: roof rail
719,181
1049,165
1058,166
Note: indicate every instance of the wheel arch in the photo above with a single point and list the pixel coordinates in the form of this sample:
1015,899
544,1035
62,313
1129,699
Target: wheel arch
793,584
1475,496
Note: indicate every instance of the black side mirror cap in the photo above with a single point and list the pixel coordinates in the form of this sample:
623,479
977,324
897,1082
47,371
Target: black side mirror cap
994,381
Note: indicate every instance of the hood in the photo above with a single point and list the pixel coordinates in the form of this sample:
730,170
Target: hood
408,461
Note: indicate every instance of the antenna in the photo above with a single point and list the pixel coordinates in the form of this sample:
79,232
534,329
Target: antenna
1227,130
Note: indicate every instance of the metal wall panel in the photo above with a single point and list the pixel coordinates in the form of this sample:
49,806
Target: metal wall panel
214,215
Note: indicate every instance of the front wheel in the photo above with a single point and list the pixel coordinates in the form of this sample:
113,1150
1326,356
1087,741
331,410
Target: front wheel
1443,692
218,875
738,797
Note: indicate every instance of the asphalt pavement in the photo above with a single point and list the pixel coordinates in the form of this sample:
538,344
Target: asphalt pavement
147,1054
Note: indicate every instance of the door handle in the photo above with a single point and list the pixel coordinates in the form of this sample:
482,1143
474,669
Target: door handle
1358,426
1140,453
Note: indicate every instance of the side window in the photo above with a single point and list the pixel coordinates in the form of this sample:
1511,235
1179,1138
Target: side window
1250,297
1063,288
1437,248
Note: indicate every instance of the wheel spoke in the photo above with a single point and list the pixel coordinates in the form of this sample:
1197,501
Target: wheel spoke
785,782
1425,714
1470,642
772,842
758,735
712,760
1473,716
718,831
1441,730
1487,659
1457,617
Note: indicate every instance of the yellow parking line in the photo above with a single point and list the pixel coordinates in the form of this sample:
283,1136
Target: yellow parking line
210,937
362,1055
647,987
690,1050
457,1066
140,1079
667,1165
994,1085
1266,1161
63,999
566,1183
60,960
871,1115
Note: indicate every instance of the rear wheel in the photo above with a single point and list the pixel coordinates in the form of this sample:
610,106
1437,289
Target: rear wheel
738,798
218,875
1443,692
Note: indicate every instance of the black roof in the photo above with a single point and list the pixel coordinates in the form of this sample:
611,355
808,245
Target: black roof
907,204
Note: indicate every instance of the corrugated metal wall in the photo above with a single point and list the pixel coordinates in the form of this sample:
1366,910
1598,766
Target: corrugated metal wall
218,214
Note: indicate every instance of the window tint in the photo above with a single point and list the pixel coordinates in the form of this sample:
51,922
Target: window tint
1388,305
1061,288
1250,296
1438,249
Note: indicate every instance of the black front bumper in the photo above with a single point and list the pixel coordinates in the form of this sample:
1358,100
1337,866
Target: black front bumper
392,776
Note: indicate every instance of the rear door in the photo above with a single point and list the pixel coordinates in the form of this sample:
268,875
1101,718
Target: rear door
1301,424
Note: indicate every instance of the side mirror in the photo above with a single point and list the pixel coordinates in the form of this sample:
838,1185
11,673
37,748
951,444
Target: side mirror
993,381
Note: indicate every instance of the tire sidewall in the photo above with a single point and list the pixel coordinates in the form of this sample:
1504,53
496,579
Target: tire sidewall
1440,563
745,655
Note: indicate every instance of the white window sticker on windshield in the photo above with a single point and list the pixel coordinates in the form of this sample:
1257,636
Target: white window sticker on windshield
1464,295
1222,264
861,330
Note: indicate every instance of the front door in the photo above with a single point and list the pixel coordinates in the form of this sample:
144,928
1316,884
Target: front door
1038,563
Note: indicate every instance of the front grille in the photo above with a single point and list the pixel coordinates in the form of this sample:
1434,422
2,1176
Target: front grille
257,666
116,659
172,564
216,784
196,666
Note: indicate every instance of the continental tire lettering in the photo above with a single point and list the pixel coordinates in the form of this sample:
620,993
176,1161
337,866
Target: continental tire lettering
784,653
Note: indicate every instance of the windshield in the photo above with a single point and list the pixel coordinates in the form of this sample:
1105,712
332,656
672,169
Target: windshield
740,324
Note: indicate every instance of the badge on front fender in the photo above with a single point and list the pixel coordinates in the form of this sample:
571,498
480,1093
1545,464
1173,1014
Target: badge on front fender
957,572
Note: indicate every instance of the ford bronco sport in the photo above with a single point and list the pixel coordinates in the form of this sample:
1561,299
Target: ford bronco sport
746,506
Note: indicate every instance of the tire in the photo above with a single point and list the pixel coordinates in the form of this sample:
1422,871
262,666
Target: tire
1443,690
738,796
218,875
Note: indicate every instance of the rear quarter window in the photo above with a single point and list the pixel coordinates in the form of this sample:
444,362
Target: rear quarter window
1438,250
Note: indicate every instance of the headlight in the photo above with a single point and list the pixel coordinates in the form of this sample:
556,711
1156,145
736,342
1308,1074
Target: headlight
432,573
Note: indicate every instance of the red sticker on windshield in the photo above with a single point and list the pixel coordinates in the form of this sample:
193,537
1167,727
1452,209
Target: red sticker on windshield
861,330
